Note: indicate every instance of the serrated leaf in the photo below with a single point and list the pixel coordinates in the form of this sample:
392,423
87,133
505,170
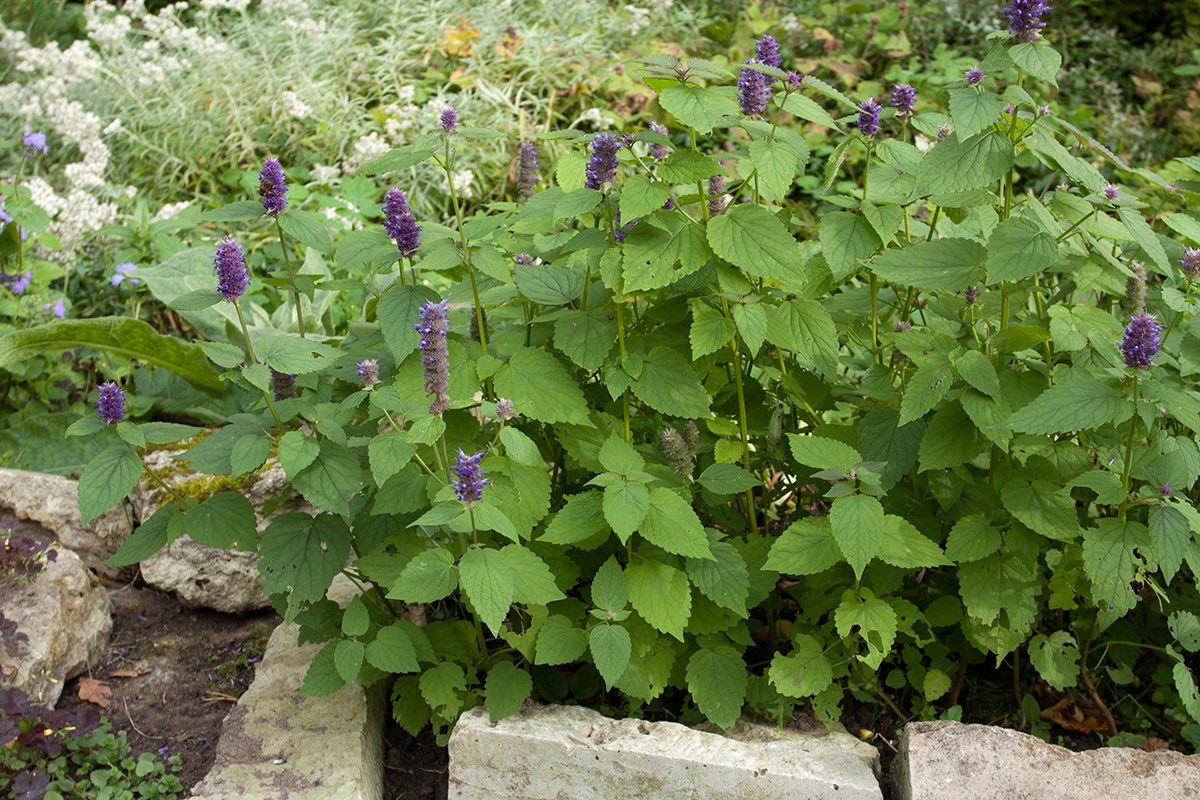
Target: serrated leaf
441,687
1002,582
807,109
520,448
609,590
1043,507
858,527
950,439
1018,249
533,582
400,157
1185,627
906,547
696,106
806,547
559,641
399,308
322,677
882,439
823,453
393,650
671,524
1068,407
727,479
724,579
237,211
107,479
669,385
655,246
580,518
846,241
548,284
611,647
943,265
291,354
973,110
751,237
355,619
505,689
626,504
976,369
331,479
972,539
224,520
146,539
804,672
775,163
925,390
585,338
710,330
805,327
1111,561
541,388
876,624
957,165
249,453
1185,684
1038,59
299,555
1056,658
1145,236
935,684
617,455
1169,537
717,680
308,228
688,166
640,196
427,578
366,246
661,595
389,452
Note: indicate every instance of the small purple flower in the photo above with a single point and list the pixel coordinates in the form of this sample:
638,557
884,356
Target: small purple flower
283,385
5,217
973,76
1142,341
449,120
434,354
753,90
944,130
111,405
119,275
505,410
868,118
794,80
1165,490
369,372
766,50
1024,18
272,187
59,309
35,142
971,295
1009,110
22,283
904,99
602,164
716,191
1191,263
399,223
527,170
523,259
1111,192
230,265
659,151
1043,111
469,482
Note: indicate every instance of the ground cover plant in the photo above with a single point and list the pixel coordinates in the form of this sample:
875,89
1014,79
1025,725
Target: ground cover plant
653,436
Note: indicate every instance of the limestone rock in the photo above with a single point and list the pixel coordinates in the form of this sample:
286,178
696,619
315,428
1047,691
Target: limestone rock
950,761
52,503
554,752
68,619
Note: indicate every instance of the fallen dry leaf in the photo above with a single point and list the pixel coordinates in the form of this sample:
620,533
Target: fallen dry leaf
94,691
129,673
1069,713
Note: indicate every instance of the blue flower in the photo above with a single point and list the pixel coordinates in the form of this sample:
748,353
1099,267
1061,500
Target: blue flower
469,481
119,277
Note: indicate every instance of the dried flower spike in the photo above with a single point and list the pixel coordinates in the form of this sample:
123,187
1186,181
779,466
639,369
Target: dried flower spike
676,451
399,223
369,372
283,385
527,170
230,265
716,191
1142,341
505,410
434,354
469,481
111,405
602,164
272,187
1135,289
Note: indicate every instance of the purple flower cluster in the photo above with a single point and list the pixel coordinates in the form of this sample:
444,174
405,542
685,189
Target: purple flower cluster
1142,341
1111,192
120,277
399,223
904,99
230,265
1024,18
505,410
35,142
449,120
283,385
766,50
469,480
659,151
111,405
22,283
523,259
272,187
1191,263
868,118
602,164
973,76
434,354
5,217
754,90
59,309
527,170
369,372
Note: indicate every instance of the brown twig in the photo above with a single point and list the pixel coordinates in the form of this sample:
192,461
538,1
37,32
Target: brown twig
1095,696
133,724
958,680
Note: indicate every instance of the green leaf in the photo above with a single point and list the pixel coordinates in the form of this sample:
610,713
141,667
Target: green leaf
846,241
121,337
1038,59
972,539
237,211
1068,407
249,453
441,686
751,237
332,478
367,246
146,539
520,448
307,228
717,680
671,524
943,265
751,321
533,582
973,111
876,624
950,439
296,451
548,284
617,455
710,331
356,619
807,547
727,479
696,106
807,109
393,650
609,590
654,247
935,685
1169,536
640,196
884,219
106,481
389,452
1043,507
1003,582
661,595
775,163
86,426
401,157
626,504
881,438
585,338
291,354
1185,684
957,165
823,453
1056,658
506,688
1111,561
486,577
805,327
559,641
1185,627
580,518
724,578
858,527
976,369
541,388
806,671
688,166
299,555
322,678
611,648
906,547
398,310
1018,249
168,432
490,518
197,300
1145,236
925,390
223,521
427,578
669,385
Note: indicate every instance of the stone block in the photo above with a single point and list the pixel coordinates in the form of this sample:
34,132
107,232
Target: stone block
572,753
950,761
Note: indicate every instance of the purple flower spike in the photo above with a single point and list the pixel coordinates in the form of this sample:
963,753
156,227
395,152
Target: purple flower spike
904,99
1191,263
1142,341
469,482
680,451
505,410
973,76
753,90
399,223
35,142
1043,111
794,81
1111,192
272,187
659,151
1024,18
434,354
230,265
716,192
868,118
527,170
369,372
283,385
523,258
22,283
449,120
766,50
602,164
111,405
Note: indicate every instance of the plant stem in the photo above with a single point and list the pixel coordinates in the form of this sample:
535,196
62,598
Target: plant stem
254,360
625,394
1129,443
287,262
742,424
154,475
874,319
